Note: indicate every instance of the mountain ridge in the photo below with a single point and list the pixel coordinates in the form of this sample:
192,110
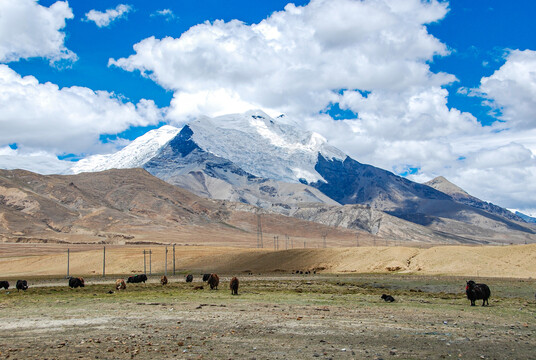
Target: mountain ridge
123,206
270,163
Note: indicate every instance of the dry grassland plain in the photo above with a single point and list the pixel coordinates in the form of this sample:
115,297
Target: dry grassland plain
336,313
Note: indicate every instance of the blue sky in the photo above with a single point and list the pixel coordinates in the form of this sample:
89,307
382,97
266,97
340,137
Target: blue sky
421,88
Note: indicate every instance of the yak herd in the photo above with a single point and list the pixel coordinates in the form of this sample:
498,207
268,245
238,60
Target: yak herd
473,290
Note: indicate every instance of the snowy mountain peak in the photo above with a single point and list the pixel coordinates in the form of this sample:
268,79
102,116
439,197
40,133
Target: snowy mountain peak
257,143
263,146
136,154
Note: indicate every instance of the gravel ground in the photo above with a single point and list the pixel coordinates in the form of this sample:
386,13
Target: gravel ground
273,317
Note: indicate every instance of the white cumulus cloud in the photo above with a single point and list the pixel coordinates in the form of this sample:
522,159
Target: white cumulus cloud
28,29
64,120
295,60
512,89
105,18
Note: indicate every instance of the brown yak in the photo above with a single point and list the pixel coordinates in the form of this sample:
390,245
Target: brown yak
120,284
163,280
213,281
234,286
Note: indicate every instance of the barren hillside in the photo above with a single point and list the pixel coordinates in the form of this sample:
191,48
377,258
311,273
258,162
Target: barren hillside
518,261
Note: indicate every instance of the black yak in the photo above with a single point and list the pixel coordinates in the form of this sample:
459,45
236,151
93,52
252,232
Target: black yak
22,285
213,281
388,298
4,284
476,291
76,282
189,278
234,286
137,279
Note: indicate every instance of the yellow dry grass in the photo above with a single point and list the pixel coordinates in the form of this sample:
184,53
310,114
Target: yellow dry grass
517,261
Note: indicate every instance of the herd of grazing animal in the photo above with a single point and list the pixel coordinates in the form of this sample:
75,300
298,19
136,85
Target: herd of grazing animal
473,290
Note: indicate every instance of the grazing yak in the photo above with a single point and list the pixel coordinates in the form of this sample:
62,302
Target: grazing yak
163,280
476,291
137,279
388,298
205,277
22,285
190,278
234,286
4,284
120,284
213,281
76,282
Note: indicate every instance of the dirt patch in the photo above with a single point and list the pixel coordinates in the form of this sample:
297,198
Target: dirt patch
331,316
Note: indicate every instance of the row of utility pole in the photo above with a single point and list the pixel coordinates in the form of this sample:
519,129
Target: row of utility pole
145,253
288,242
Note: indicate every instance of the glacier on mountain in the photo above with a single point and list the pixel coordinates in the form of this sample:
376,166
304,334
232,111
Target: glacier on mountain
260,145
134,155
263,146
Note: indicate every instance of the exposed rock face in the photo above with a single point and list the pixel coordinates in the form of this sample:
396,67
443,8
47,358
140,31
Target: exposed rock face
132,206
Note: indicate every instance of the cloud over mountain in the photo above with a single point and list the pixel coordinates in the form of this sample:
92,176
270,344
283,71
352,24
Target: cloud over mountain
64,120
296,60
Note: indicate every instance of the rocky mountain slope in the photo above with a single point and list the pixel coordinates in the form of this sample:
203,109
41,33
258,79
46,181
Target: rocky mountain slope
462,197
132,206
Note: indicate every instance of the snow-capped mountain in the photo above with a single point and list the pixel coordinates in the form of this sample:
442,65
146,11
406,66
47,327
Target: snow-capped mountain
253,141
264,147
272,163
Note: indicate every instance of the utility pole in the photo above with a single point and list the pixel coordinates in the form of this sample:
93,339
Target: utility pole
173,259
356,239
144,263
259,231
324,239
150,261
68,253
103,261
165,264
